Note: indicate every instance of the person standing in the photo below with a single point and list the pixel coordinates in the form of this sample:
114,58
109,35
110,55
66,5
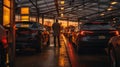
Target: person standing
56,33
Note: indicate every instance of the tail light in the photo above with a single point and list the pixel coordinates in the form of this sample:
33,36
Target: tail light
115,32
24,32
4,41
33,31
28,32
86,32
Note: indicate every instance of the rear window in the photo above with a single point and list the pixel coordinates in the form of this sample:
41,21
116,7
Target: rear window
97,26
27,24
23,25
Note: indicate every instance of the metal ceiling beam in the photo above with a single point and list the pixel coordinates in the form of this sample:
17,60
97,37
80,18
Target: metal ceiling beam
39,4
98,13
56,5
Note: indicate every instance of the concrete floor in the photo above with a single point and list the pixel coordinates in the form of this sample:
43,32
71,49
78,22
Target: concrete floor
65,56
49,57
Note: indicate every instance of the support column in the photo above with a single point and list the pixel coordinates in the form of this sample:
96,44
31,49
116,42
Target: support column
12,32
42,19
67,22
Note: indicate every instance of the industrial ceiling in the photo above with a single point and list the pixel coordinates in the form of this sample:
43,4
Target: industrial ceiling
72,9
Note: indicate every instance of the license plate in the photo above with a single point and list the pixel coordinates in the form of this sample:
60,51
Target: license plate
101,37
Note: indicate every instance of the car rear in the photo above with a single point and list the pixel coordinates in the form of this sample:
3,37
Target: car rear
96,34
26,36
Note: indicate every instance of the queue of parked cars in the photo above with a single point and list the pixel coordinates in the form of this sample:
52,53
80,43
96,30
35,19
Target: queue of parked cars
90,35
28,35
31,34
93,35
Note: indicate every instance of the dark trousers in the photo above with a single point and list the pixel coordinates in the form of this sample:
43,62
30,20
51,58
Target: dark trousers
58,39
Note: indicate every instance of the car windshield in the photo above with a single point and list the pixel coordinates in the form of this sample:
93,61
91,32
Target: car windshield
97,26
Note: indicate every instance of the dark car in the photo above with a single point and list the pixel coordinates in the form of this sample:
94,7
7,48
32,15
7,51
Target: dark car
94,35
114,51
45,37
30,35
3,46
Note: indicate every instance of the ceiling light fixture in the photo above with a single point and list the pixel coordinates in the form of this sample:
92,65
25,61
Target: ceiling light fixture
62,15
113,2
62,8
102,14
110,8
62,2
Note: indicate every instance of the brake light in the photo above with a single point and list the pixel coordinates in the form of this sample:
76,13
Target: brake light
115,32
86,32
4,41
33,31
24,32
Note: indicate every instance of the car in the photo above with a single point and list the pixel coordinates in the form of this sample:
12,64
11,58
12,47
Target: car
46,36
3,46
93,35
30,34
113,51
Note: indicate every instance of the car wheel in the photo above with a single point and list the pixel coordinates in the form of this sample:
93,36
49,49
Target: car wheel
2,56
38,45
48,42
79,50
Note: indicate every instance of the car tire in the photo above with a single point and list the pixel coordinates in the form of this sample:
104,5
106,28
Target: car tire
2,56
48,42
38,49
79,50
114,56
38,45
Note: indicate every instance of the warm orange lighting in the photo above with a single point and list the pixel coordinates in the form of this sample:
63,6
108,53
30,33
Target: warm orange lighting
62,15
114,18
109,9
32,18
25,10
7,3
102,14
62,8
24,18
6,15
62,2
114,2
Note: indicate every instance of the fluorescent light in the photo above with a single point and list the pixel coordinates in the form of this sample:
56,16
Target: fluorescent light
114,2
62,8
62,2
110,8
62,15
102,14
